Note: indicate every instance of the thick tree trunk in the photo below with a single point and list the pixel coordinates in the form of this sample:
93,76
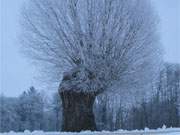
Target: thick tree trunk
77,111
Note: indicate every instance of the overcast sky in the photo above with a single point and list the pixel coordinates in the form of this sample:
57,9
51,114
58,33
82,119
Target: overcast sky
16,74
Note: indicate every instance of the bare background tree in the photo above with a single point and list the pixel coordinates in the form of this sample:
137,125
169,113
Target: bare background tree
98,44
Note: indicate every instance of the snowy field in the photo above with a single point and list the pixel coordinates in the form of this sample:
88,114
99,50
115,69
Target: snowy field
169,131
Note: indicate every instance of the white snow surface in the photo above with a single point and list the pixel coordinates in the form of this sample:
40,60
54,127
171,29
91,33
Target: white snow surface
146,131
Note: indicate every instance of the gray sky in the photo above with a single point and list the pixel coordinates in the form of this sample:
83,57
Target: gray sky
16,74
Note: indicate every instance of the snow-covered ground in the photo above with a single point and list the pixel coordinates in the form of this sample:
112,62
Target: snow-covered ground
163,131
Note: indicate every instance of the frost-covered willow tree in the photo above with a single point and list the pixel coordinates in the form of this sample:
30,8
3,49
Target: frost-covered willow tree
96,44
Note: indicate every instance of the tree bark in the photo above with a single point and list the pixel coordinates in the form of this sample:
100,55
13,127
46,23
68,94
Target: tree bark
77,111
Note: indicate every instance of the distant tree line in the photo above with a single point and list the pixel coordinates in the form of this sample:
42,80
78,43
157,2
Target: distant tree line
163,108
32,110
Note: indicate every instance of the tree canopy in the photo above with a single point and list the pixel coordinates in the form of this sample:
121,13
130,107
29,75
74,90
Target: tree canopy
115,40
